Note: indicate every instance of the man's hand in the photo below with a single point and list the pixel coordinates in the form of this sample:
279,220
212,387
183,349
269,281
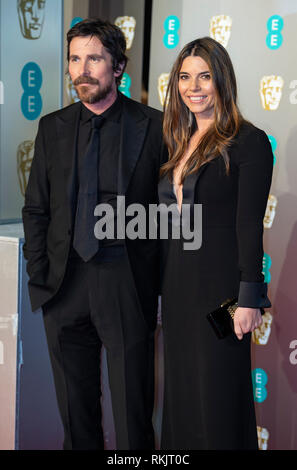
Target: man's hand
246,320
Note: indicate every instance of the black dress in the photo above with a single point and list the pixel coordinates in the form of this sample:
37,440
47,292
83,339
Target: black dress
208,396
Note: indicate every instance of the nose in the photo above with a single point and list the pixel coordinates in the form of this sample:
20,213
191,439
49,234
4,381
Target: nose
84,68
35,12
195,84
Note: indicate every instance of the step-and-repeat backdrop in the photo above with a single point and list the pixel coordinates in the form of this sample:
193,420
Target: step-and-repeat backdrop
261,40
31,47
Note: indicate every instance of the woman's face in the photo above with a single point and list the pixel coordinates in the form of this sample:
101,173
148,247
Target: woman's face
196,87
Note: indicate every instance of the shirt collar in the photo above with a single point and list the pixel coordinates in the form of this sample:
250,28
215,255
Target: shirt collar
113,113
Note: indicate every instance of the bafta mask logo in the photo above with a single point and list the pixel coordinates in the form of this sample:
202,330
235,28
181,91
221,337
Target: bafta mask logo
70,90
261,335
31,17
127,24
270,211
271,91
263,436
162,87
220,29
24,160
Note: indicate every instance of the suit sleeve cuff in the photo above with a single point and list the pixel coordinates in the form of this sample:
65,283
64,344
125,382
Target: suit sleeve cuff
253,295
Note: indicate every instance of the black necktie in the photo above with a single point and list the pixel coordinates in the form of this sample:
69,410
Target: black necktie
84,242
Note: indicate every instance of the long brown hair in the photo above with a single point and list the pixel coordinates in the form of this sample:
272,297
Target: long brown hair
179,122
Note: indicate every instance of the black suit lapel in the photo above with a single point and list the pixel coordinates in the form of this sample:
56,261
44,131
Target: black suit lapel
67,131
190,184
133,131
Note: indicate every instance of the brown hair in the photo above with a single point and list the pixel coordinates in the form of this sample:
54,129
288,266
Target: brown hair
109,34
179,122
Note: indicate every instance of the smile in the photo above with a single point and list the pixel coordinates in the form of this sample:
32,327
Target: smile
197,99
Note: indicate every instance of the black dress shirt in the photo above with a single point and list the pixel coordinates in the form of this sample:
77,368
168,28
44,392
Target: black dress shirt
108,155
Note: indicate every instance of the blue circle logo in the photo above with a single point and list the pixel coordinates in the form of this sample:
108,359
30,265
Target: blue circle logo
171,26
31,80
75,20
259,379
125,84
274,38
273,144
266,265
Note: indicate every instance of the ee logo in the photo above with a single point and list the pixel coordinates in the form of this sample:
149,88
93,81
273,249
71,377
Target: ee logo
75,20
266,265
273,144
274,37
259,379
125,85
171,26
31,80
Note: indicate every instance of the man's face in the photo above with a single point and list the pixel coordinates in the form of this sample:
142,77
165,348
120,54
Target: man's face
31,17
90,69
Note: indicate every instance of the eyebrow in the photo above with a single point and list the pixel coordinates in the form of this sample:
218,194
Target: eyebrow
99,56
187,73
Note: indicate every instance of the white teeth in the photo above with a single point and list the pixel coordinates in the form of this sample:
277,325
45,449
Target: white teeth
196,99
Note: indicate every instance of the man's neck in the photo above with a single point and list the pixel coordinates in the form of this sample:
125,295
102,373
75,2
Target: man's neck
100,106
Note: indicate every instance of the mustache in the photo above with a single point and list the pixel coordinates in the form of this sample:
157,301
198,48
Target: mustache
80,80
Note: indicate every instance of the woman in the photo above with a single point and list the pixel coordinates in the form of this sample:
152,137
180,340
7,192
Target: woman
221,161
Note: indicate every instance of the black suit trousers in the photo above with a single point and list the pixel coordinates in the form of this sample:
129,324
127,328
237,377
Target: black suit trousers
97,305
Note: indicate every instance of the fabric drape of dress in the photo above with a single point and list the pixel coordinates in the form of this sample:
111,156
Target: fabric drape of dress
208,396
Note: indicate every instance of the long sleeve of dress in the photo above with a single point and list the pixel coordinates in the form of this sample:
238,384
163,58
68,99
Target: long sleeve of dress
255,163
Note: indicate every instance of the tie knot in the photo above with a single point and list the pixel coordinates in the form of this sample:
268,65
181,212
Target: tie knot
97,122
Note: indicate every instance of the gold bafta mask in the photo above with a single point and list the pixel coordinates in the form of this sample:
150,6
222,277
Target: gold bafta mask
270,211
271,91
31,17
70,90
24,160
220,28
261,335
263,436
162,87
127,24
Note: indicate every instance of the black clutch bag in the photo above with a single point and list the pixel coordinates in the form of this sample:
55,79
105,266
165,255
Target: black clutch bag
221,319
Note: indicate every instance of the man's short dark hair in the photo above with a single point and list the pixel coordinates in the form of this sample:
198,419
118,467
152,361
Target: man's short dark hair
109,34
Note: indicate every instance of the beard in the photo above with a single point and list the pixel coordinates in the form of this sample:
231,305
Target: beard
88,96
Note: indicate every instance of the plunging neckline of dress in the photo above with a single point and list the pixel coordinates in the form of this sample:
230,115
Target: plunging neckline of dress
175,194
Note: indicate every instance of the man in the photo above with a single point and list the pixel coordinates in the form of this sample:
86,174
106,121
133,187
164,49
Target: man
92,292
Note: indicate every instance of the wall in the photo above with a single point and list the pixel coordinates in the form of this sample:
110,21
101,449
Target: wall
262,42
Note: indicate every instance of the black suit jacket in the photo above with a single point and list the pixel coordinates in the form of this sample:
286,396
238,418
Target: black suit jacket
49,210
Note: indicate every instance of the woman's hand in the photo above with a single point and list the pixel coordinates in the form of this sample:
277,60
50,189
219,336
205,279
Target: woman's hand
246,320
